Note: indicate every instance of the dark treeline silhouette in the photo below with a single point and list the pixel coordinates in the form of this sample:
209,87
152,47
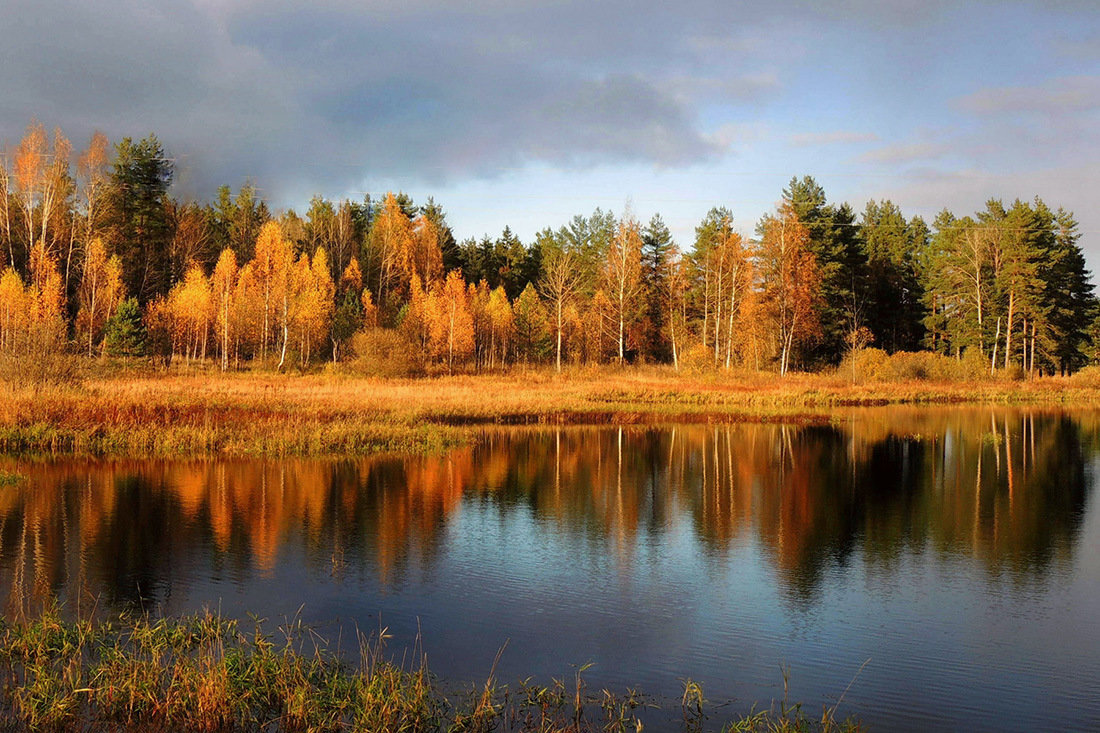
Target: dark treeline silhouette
101,258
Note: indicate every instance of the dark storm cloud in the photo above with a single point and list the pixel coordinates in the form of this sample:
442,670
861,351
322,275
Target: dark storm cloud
330,94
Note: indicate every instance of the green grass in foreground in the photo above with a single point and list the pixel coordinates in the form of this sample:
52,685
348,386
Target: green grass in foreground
205,672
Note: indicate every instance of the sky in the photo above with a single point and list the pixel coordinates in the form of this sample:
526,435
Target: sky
525,113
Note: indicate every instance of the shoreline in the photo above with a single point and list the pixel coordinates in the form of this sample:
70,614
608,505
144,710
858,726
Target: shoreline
197,413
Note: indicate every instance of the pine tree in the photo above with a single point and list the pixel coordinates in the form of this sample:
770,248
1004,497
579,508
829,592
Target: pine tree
656,249
140,231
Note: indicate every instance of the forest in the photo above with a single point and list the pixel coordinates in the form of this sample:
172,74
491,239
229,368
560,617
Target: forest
100,259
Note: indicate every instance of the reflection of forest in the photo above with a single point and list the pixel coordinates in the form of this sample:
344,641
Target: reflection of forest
1006,487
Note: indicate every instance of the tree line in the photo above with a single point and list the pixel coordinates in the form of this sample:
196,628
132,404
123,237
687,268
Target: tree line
101,258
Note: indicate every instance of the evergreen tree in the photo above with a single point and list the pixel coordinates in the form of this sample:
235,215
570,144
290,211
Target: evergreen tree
656,248
139,225
894,297
1069,293
834,241
125,331
514,258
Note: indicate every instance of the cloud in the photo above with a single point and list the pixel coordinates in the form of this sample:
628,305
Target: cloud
835,137
906,153
1058,97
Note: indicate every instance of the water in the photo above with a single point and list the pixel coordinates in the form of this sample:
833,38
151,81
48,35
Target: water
951,555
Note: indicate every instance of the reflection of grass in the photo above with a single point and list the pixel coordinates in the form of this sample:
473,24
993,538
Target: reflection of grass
9,478
254,413
204,672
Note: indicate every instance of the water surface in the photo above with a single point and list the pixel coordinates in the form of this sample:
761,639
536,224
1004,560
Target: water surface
954,555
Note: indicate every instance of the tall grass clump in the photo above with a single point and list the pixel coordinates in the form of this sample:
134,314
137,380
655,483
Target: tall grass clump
205,672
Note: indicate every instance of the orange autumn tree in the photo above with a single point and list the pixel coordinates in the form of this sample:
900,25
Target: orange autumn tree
222,283
271,266
501,325
389,244
191,310
449,320
424,257
100,291
312,302
14,308
791,281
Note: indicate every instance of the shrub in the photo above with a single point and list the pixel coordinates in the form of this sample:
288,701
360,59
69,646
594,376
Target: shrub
37,355
384,352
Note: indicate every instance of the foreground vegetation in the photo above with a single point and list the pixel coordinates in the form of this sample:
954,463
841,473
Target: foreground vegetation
125,408
205,672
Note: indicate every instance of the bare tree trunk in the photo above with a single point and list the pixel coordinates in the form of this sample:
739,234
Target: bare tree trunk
996,341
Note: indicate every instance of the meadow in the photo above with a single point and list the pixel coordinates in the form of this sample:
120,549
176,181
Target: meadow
119,407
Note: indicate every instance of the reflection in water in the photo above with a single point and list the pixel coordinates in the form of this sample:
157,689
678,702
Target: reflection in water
957,549
1007,488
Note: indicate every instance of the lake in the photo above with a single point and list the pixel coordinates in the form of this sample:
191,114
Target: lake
939,568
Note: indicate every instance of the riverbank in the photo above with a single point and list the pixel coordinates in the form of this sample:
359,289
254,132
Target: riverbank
254,413
206,672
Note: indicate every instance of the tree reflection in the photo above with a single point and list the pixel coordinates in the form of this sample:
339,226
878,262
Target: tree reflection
1005,487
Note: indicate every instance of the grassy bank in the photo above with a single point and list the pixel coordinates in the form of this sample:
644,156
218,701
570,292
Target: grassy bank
204,672
199,412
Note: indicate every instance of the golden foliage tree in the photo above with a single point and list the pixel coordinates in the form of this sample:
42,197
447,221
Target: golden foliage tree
791,281
271,267
450,322
501,325
100,291
389,244
191,311
222,284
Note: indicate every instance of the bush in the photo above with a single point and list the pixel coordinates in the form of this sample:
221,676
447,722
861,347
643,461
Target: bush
37,355
384,352
696,359
875,365
1087,377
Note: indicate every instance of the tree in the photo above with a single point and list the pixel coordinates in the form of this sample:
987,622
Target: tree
100,291
448,248
450,323
791,280
222,284
622,277
423,256
958,283
657,247
190,310
348,316
895,294
93,180
675,303
561,280
388,246
1069,295
501,325
271,270
532,332
124,334
140,230
834,242
14,308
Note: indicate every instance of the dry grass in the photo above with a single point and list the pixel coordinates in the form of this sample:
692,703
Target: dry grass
178,413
